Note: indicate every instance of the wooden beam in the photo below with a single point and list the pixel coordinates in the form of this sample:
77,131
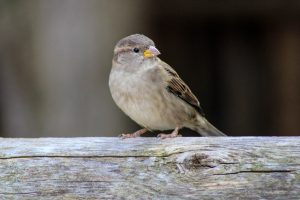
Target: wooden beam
150,168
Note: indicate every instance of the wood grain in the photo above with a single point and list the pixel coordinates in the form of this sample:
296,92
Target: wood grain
150,168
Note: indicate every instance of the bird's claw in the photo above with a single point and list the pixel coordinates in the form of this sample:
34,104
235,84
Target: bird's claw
165,136
133,135
128,135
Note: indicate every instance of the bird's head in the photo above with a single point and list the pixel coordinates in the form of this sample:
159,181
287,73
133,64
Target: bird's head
134,50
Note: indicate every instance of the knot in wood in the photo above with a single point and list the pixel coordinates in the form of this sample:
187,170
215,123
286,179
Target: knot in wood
194,161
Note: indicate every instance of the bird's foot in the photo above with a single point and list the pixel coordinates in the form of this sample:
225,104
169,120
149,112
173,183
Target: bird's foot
171,135
165,136
133,135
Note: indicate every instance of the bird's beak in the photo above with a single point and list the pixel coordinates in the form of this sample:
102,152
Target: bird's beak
151,52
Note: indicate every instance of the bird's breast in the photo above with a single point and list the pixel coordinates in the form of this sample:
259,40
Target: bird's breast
138,97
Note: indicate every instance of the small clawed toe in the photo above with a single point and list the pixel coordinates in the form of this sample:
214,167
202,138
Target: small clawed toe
165,136
171,135
133,135
127,135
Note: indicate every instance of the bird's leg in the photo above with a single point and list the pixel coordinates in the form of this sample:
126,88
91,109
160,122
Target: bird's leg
171,135
133,135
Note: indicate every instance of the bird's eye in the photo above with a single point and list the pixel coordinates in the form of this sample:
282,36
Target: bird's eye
136,50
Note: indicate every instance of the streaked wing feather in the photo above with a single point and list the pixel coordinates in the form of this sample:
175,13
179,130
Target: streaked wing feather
176,86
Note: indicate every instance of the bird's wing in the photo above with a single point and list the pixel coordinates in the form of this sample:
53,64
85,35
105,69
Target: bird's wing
176,86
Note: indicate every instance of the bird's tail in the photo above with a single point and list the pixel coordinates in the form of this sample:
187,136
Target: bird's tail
206,129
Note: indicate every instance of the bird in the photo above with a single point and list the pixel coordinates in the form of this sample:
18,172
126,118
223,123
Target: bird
151,93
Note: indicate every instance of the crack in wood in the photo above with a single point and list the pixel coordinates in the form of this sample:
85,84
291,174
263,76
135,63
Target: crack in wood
55,156
256,171
17,193
147,155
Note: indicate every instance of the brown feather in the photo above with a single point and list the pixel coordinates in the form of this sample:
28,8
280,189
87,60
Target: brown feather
176,86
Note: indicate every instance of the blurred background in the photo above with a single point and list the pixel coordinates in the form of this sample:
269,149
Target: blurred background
240,58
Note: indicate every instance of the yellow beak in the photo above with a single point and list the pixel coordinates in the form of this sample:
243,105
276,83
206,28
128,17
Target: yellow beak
151,52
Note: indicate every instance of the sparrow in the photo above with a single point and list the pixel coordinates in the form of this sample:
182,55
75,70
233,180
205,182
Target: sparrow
151,92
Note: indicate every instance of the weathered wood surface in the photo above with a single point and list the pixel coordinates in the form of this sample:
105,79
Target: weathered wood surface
150,168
